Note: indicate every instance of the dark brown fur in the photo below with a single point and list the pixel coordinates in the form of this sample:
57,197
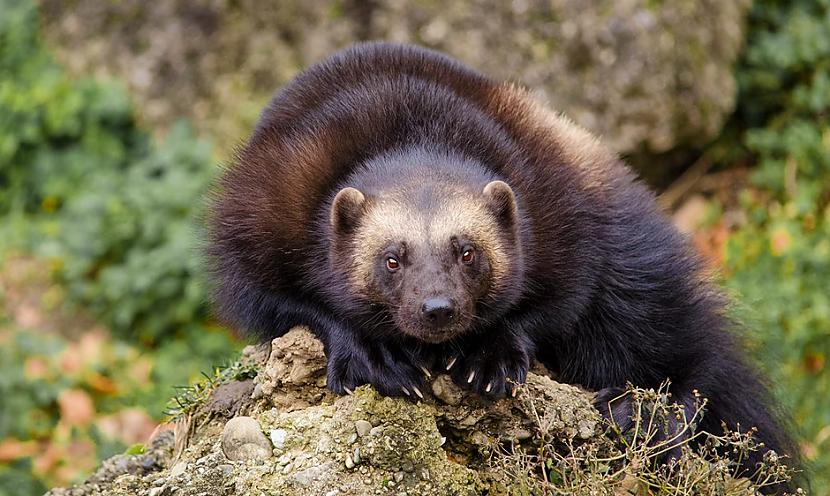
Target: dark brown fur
605,291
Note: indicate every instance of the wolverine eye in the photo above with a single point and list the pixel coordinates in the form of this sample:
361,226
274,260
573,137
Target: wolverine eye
392,264
467,256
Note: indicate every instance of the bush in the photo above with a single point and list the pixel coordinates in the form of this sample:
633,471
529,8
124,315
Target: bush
83,186
126,243
632,461
70,402
779,260
113,212
54,133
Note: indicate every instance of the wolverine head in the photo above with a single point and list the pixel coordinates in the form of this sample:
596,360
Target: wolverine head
434,253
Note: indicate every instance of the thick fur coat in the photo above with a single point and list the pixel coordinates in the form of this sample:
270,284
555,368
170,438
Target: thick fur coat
588,276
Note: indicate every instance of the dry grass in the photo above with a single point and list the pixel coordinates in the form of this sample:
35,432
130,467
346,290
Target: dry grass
654,457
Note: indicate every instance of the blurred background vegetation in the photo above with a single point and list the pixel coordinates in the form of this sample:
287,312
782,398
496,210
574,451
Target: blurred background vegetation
114,116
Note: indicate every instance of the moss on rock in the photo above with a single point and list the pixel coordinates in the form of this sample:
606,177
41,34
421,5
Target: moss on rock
323,444
289,436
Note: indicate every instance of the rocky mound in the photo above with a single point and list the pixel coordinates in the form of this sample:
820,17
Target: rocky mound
268,425
284,433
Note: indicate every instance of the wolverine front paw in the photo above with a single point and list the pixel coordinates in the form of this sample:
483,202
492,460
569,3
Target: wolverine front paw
664,427
492,371
391,371
616,406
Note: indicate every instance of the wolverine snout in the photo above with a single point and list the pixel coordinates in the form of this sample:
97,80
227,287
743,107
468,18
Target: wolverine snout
438,312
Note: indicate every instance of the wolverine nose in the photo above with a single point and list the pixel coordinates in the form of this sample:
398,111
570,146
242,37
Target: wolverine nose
438,312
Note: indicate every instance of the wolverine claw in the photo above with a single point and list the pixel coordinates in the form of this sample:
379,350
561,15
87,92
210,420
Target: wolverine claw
426,372
451,362
489,387
405,391
348,391
418,392
471,377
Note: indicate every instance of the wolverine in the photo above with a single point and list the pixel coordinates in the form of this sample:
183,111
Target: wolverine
420,218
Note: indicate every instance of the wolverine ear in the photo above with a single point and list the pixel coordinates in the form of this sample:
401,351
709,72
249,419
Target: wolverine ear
501,201
346,210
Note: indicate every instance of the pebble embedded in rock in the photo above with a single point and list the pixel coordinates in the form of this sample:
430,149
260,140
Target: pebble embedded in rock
445,390
177,469
309,456
278,437
257,392
517,435
586,429
362,427
478,438
242,439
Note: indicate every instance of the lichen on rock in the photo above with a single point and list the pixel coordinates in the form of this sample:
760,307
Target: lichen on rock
352,445
284,433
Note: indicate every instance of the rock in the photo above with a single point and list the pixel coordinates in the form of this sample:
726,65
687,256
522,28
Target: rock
242,439
646,76
445,390
321,452
313,475
586,429
296,360
278,438
177,469
362,427
376,431
228,399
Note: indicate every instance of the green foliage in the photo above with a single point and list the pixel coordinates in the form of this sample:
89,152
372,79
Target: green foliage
59,396
779,261
136,449
195,395
126,242
41,378
16,479
113,213
53,132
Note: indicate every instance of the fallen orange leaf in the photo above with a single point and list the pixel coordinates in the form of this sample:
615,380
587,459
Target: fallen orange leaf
35,368
76,407
12,449
101,383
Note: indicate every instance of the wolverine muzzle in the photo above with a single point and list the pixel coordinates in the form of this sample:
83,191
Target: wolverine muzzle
438,312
